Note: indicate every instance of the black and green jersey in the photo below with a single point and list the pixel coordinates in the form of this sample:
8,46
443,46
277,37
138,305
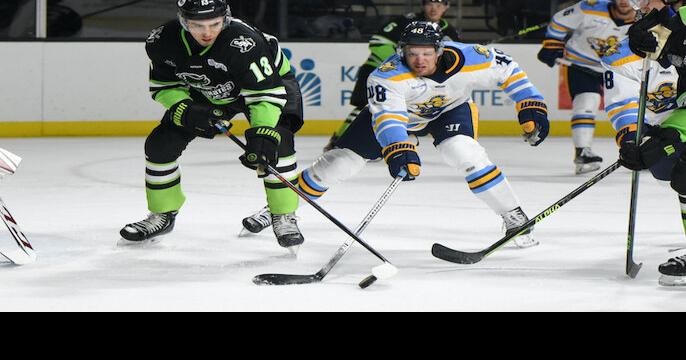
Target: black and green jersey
243,67
676,54
383,44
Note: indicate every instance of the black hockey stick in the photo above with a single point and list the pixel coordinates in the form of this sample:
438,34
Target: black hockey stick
460,257
384,271
520,33
632,268
283,279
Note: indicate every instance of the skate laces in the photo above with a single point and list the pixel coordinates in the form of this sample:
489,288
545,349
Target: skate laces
263,217
678,261
515,219
153,223
285,224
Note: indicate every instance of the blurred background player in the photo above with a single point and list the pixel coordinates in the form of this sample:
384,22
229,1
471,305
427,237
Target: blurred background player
425,89
383,45
581,35
207,67
664,145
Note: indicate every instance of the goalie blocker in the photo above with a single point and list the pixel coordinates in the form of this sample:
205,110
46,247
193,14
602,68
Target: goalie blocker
15,247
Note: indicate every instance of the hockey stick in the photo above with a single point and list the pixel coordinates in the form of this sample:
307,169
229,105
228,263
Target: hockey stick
21,252
520,33
383,271
632,268
460,257
283,279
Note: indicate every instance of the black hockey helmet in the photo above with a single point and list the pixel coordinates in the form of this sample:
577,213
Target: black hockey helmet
421,33
446,2
203,10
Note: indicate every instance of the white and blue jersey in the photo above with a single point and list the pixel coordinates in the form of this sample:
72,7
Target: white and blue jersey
400,101
623,86
589,32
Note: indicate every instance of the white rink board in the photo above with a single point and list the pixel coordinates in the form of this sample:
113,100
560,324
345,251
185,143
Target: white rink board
109,81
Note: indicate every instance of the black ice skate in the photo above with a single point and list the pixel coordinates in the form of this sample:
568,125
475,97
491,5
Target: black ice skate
513,221
150,228
257,222
586,161
673,272
287,232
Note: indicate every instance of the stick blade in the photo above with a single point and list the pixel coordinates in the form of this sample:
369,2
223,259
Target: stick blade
458,257
283,279
633,269
369,281
385,271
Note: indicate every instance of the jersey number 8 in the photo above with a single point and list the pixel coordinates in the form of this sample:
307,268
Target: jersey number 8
377,92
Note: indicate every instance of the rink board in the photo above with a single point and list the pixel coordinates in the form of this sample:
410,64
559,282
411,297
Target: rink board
101,89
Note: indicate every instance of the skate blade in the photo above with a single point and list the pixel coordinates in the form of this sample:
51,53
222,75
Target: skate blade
582,169
123,243
294,250
244,233
672,281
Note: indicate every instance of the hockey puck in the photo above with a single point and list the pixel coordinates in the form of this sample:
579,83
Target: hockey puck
368,282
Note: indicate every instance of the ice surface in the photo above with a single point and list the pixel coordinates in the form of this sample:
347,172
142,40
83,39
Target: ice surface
72,195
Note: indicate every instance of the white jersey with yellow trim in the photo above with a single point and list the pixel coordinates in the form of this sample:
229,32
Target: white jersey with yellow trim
400,101
589,31
623,87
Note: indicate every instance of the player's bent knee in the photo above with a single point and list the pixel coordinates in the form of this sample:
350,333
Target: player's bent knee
336,166
463,152
587,103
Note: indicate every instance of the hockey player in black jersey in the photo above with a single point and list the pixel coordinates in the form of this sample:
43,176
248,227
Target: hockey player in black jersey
208,67
383,45
661,35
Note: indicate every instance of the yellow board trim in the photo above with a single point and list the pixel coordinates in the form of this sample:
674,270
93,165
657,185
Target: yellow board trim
312,127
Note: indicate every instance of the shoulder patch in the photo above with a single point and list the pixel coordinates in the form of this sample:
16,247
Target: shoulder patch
244,44
482,51
155,35
389,66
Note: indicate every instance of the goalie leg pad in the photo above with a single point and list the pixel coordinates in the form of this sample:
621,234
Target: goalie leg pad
485,179
331,168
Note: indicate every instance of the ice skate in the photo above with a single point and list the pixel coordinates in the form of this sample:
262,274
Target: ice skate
514,220
673,272
586,161
255,223
287,232
149,229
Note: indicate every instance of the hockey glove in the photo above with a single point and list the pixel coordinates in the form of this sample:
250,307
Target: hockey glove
552,50
533,117
262,147
661,145
199,119
646,36
403,155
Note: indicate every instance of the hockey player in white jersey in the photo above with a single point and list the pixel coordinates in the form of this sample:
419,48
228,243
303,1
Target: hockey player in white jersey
426,90
582,34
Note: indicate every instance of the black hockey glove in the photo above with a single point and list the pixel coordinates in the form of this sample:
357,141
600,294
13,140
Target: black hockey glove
403,155
262,146
662,144
641,39
197,118
552,50
533,117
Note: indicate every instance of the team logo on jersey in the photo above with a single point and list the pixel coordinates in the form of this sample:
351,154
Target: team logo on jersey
244,44
482,50
592,2
607,47
155,35
664,99
195,80
217,65
388,67
433,107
